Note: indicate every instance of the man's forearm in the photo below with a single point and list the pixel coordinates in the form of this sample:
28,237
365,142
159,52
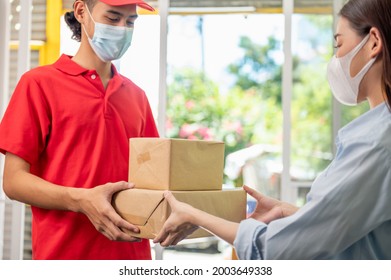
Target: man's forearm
21,185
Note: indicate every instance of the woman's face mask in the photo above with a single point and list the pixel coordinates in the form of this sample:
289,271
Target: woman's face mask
109,42
344,87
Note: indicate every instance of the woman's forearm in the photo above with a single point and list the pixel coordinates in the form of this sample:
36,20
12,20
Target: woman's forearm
222,228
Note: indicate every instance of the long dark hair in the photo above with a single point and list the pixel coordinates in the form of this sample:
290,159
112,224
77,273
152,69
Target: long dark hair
72,22
365,14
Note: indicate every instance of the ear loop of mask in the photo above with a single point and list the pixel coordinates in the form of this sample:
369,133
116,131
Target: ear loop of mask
88,11
351,55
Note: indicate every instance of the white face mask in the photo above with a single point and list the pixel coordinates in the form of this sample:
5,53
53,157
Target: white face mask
344,87
109,42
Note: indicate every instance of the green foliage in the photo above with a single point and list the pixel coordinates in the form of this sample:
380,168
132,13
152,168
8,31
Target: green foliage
251,112
311,103
197,110
311,120
257,69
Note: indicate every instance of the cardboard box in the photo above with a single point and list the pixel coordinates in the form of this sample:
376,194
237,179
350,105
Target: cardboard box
148,209
176,164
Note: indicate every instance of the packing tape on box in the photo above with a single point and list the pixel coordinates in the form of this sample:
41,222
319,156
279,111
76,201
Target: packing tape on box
141,158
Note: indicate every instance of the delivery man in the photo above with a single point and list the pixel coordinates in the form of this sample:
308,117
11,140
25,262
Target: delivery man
65,136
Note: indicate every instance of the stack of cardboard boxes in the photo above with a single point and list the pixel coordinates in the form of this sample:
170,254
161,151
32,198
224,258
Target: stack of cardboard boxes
191,169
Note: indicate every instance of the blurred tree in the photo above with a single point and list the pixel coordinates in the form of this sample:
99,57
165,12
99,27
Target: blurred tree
251,111
197,110
259,70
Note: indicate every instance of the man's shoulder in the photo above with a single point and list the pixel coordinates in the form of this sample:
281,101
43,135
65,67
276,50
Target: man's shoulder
40,72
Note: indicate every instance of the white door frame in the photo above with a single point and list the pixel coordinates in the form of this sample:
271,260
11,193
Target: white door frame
5,11
18,209
288,191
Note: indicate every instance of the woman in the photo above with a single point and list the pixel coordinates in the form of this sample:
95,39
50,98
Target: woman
348,210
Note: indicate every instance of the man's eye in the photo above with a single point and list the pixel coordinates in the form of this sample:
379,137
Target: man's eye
113,19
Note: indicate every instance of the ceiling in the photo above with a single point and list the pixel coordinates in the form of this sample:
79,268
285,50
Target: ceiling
260,6
227,6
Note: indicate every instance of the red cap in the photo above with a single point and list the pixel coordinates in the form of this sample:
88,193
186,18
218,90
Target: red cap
140,3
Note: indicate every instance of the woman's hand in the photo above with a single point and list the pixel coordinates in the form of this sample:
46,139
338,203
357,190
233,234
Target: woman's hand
269,209
95,203
178,225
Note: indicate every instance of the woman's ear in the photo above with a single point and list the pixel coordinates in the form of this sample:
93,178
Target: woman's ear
79,10
376,42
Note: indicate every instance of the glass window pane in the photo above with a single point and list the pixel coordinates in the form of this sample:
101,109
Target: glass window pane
312,99
228,88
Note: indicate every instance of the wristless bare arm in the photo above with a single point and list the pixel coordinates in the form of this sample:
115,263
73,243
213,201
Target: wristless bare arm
95,203
222,228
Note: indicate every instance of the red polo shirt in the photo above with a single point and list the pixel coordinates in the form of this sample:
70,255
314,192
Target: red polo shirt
75,133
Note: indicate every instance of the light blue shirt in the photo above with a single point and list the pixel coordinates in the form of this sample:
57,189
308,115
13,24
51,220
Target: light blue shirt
348,209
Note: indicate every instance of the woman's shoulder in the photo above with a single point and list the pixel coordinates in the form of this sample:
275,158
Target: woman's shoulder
371,125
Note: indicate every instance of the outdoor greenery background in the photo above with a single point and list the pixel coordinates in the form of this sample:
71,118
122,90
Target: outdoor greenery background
251,111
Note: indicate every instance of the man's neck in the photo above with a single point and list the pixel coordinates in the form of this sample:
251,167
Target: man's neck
87,59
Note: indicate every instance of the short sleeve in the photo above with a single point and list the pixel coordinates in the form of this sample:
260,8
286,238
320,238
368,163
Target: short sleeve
25,126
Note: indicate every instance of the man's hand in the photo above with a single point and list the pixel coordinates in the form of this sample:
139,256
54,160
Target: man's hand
269,209
95,203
